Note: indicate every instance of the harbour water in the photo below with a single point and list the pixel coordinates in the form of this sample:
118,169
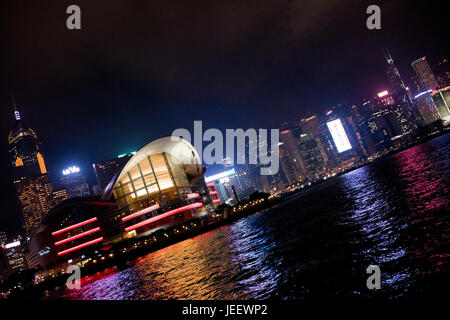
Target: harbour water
316,245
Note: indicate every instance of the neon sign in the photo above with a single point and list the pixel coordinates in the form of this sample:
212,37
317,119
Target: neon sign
70,170
382,94
339,136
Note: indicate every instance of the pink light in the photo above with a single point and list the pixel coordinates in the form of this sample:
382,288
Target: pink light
212,193
382,94
80,246
216,201
83,234
136,214
193,195
210,185
74,226
284,132
164,215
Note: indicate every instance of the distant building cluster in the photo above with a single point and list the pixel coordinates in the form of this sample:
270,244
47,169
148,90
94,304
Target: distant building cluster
319,146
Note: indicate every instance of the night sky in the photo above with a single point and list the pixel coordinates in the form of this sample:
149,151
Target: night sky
137,70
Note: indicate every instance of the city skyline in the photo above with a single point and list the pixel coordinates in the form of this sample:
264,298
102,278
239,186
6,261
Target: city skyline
54,111
287,149
56,174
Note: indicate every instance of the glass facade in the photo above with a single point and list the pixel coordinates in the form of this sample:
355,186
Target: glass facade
154,180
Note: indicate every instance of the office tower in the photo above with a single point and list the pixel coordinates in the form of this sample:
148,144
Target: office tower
311,155
13,257
75,182
397,84
425,76
426,107
26,157
33,194
441,99
30,179
290,158
106,170
312,125
58,196
287,167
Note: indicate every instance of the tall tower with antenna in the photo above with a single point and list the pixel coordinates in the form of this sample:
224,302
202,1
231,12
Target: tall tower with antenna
25,149
30,178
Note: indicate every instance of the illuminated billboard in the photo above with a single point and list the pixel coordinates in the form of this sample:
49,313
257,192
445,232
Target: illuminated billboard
339,136
70,170
383,93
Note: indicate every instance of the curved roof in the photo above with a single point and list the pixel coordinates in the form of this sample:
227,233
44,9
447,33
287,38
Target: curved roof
181,151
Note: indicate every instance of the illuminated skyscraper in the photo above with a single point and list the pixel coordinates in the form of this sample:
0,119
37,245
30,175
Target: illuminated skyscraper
75,182
33,194
426,78
290,158
399,88
313,126
25,152
312,157
13,257
441,99
426,107
32,184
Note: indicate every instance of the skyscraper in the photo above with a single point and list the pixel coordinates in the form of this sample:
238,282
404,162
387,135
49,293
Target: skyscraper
398,87
25,152
426,107
313,126
290,157
441,99
33,194
75,182
425,76
312,157
29,173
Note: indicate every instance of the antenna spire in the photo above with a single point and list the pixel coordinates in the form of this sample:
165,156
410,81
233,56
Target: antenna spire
388,56
16,112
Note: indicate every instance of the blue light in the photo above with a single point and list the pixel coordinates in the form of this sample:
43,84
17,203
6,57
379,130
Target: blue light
422,93
220,175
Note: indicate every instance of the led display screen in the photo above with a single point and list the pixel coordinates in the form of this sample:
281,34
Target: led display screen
339,136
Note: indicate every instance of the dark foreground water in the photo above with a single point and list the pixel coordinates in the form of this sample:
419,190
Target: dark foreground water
315,245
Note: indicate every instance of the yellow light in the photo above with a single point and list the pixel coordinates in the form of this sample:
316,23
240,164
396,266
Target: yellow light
41,163
19,162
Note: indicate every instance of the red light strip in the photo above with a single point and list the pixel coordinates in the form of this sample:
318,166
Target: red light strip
210,185
216,200
83,234
74,226
80,246
193,195
164,215
212,193
136,214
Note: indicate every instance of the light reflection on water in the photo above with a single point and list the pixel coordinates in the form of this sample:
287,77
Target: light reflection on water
316,245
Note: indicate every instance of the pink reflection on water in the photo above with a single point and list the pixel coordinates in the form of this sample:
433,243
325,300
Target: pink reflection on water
427,197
